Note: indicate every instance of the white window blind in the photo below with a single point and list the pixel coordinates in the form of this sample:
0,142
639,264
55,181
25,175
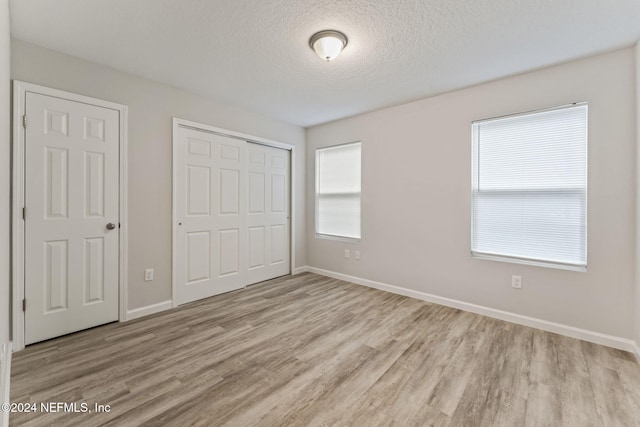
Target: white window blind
529,190
338,191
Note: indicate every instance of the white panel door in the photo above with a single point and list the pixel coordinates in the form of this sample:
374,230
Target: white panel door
210,212
71,197
268,213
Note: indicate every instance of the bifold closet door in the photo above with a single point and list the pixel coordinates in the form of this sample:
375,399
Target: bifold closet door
232,213
211,214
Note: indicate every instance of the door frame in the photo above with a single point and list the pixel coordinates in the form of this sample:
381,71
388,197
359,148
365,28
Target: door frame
177,123
20,90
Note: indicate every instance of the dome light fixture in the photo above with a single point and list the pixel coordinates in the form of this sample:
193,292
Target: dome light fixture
328,44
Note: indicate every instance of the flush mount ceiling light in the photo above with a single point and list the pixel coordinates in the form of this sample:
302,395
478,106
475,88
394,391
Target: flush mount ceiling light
328,44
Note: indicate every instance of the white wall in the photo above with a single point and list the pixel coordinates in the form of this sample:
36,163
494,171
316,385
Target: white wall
151,107
5,168
637,290
5,206
416,192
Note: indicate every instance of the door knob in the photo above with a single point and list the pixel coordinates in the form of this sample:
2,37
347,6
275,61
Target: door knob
111,226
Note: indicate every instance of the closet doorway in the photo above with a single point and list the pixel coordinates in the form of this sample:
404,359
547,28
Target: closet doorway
231,211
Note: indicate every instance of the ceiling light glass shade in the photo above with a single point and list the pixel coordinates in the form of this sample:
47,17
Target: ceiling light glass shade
328,44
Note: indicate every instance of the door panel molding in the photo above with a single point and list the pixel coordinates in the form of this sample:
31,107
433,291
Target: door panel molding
228,153
94,130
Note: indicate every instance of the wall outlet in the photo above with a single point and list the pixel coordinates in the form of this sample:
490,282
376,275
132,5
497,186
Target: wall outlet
148,274
516,282
347,254
356,255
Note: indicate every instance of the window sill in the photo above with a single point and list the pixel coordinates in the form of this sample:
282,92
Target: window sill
547,264
338,238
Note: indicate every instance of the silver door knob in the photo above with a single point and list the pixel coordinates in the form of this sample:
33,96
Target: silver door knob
111,226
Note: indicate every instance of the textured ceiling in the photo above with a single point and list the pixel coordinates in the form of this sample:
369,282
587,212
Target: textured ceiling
254,54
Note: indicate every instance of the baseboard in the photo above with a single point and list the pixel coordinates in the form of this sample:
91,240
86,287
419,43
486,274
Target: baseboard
636,351
166,305
148,310
299,270
570,331
5,378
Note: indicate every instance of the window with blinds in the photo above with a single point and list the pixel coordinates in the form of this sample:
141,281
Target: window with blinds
529,189
338,191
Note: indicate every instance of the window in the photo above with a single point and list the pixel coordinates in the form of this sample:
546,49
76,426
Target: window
529,189
338,191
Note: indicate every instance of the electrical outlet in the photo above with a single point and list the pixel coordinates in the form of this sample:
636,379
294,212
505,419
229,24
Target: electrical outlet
356,255
516,282
347,254
148,274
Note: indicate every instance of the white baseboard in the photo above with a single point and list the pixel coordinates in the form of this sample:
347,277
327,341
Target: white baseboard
570,331
299,270
148,310
636,351
5,378
166,305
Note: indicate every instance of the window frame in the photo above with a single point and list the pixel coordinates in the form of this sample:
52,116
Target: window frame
475,174
317,196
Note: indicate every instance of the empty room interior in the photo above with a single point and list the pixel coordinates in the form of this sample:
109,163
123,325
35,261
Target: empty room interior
314,213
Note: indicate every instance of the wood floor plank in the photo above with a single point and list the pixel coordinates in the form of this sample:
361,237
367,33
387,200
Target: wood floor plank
310,350
478,401
352,389
629,374
544,406
507,409
578,403
450,387
515,374
612,403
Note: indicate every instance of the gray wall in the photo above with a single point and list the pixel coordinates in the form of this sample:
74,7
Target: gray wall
151,107
416,192
5,167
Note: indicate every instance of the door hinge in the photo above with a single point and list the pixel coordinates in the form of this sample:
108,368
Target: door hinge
24,121
24,214
24,305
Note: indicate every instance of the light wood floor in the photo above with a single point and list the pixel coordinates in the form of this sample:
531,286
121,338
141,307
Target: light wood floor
309,350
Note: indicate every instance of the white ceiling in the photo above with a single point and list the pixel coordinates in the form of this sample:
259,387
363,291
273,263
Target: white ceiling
254,54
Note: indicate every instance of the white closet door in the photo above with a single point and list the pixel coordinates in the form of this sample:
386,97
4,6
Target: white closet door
232,208
268,213
71,227
211,214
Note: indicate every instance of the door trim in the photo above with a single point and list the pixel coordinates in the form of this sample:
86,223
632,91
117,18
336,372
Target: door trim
20,90
178,123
